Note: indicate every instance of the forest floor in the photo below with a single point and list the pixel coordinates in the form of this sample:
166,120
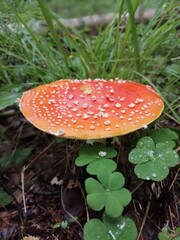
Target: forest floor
47,191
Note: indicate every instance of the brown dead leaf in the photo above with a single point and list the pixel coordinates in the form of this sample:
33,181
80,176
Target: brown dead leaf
30,238
73,183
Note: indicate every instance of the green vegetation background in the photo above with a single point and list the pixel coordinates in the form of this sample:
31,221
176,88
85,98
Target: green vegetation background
148,53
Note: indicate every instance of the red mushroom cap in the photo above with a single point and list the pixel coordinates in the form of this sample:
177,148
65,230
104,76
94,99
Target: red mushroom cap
91,109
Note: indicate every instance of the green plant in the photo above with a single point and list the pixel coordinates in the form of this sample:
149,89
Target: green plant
9,99
64,224
105,191
167,234
28,59
14,158
110,229
164,135
11,159
90,156
154,157
5,199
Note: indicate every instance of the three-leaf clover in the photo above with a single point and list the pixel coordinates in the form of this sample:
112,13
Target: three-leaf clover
164,135
107,192
96,156
167,234
153,160
118,228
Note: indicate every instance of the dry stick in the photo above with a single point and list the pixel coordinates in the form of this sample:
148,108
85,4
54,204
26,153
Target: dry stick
23,191
177,173
4,185
170,216
97,20
137,220
174,236
144,219
178,149
171,118
44,150
19,210
64,208
175,206
23,173
175,177
62,201
137,187
86,207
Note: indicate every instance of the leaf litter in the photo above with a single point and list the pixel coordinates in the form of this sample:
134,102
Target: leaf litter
48,204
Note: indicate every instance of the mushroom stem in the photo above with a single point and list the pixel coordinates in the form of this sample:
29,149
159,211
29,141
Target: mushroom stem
101,140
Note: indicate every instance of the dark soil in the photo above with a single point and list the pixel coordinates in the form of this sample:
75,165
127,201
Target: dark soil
34,211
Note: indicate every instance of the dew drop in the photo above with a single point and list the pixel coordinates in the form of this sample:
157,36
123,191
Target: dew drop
112,235
154,175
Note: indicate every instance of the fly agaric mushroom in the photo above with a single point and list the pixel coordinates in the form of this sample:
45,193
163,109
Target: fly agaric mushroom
91,109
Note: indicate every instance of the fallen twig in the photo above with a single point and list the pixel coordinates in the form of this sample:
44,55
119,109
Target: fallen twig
97,20
93,21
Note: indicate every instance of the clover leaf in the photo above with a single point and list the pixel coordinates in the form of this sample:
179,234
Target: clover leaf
107,192
153,160
96,166
167,234
110,229
98,151
96,194
120,228
96,230
164,135
5,198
